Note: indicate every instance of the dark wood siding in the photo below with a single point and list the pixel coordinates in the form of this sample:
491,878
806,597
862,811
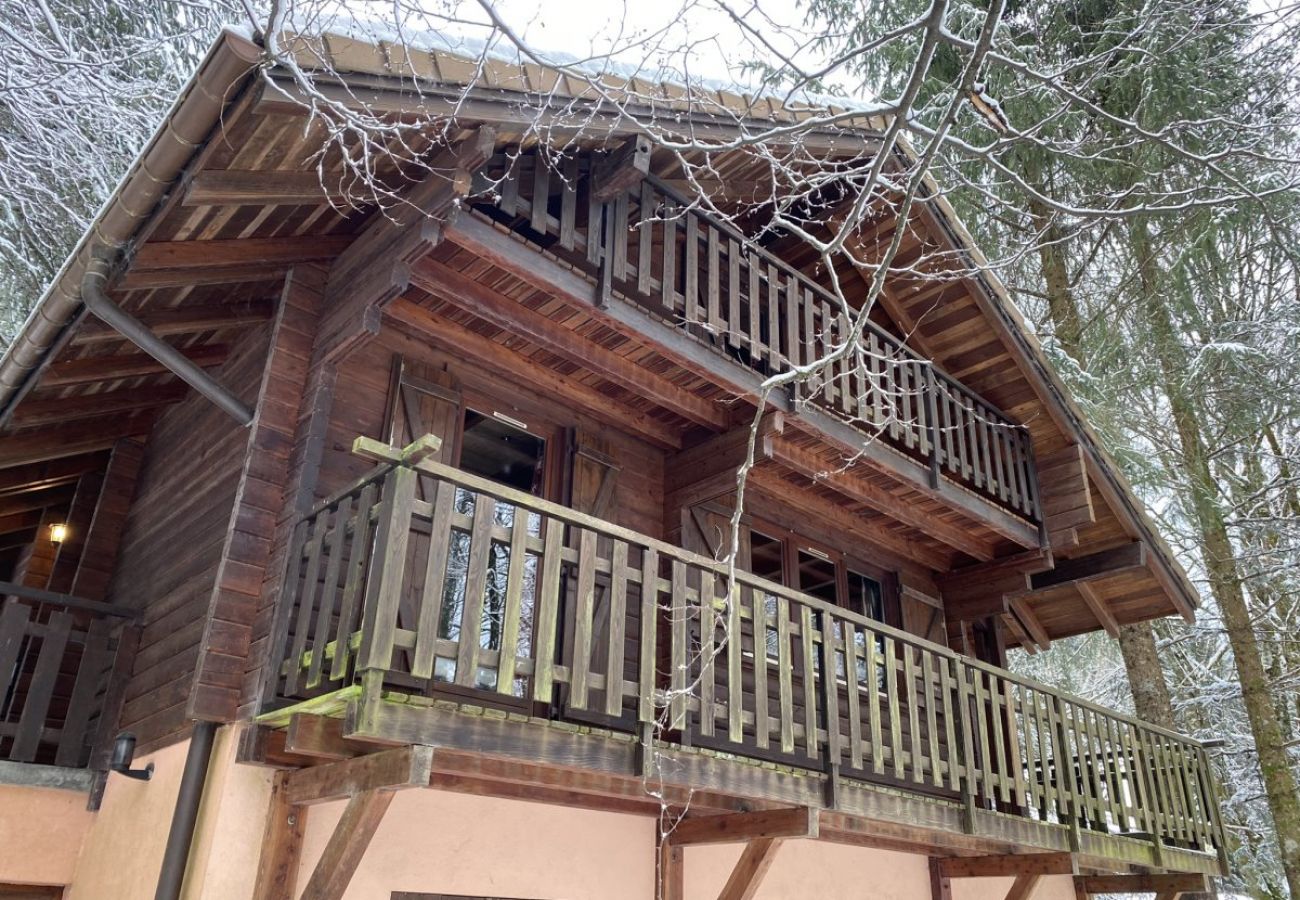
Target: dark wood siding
172,543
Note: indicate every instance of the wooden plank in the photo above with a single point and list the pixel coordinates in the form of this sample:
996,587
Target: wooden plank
670,872
342,854
759,619
785,689
1105,618
1102,564
514,604
580,661
159,255
58,410
95,660
330,591
357,556
729,828
1142,883
32,723
735,682
126,365
384,588
678,622
1009,864
476,571
548,611
853,688
387,770
231,187
320,737
1023,887
647,649
753,865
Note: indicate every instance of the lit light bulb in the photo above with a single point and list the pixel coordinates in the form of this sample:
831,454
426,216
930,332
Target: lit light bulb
58,533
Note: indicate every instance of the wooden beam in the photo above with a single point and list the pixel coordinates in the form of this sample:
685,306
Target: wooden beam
284,251
1024,613
730,828
277,867
502,249
259,187
750,869
71,440
621,169
126,365
1141,883
196,275
1023,887
183,320
321,737
707,469
940,884
387,770
1102,564
844,480
84,406
1009,864
347,845
452,286
500,359
1105,618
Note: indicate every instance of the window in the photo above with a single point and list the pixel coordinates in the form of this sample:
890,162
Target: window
502,451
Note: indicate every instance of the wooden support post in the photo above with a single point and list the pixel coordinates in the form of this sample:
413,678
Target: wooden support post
1023,887
940,884
670,874
750,869
347,845
277,868
389,770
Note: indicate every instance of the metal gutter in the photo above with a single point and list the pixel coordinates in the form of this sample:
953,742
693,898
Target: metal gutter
197,110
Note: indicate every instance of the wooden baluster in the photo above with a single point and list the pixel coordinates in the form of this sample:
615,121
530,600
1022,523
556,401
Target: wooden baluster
514,605
1014,734
830,689
708,651
895,708
569,204
510,186
617,630
735,677
713,277
647,683
435,578
997,446
783,667
830,389
810,339
307,602
933,448
808,668
548,609
758,615
692,268
678,616
983,726
541,195
931,716
947,710
91,670
758,348
853,687
580,664
873,703
621,236
476,572
596,227
774,317
916,742
668,280
384,589
1048,785
358,551
735,327
645,241
40,690
329,590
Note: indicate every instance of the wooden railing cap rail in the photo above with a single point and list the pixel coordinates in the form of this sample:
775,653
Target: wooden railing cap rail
68,601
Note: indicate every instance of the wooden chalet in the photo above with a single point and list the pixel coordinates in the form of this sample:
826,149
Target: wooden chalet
388,534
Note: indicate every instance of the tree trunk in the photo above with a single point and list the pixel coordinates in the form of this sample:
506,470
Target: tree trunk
1221,567
1146,677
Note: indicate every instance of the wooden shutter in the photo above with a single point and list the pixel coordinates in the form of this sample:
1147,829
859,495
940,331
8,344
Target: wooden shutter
424,400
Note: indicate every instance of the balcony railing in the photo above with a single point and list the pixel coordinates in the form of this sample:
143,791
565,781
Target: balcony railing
652,245
58,656
436,580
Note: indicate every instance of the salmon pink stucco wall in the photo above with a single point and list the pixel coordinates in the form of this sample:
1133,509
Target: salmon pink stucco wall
41,830
435,841
814,869
1050,887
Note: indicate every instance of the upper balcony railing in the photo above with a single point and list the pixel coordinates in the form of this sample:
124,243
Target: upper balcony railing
433,580
651,245
58,655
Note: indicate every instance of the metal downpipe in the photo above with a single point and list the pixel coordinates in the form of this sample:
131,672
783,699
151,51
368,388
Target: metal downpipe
131,328
176,857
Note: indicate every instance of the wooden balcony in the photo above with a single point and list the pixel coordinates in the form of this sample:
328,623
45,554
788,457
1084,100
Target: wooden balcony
650,245
62,662
423,589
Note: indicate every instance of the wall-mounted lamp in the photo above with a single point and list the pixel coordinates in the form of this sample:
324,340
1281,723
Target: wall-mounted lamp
123,754
58,533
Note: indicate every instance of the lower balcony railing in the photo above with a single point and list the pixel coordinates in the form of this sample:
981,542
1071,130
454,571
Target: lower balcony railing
443,582
58,654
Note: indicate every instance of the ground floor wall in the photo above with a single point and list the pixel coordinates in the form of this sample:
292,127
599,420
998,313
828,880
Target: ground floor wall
432,842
